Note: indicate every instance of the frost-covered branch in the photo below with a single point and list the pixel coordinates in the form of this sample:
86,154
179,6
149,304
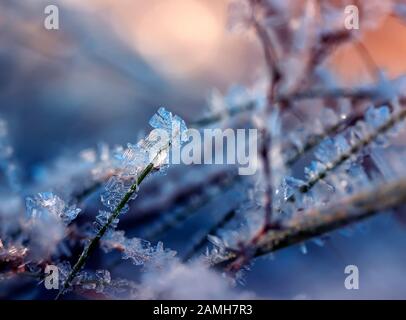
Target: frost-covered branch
335,152
163,120
95,241
318,221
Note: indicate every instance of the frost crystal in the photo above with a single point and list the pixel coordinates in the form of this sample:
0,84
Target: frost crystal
327,151
102,218
291,187
303,248
314,169
46,205
135,158
115,189
162,120
172,124
139,251
217,243
376,117
99,281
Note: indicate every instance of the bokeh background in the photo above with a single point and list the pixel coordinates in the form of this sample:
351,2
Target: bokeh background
114,62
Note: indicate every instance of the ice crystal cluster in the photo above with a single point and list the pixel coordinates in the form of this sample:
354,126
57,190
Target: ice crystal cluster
137,157
329,154
46,205
139,251
99,281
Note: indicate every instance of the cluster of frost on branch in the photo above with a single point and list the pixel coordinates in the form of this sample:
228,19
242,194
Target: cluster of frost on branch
152,150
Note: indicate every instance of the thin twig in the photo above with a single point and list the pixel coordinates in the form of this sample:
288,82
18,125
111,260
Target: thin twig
200,243
315,139
188,211
216,117
83,194
316,222
354,149
320,52
275,76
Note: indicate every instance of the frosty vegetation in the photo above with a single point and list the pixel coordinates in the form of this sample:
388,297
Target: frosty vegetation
326,154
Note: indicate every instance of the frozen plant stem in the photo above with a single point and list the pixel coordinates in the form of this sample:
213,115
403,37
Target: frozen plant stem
316,222
82,195
315,139
94,242
393,120
192,208
200,243
250,106
275,75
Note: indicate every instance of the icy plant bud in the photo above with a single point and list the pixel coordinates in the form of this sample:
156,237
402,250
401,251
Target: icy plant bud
173,124
169,131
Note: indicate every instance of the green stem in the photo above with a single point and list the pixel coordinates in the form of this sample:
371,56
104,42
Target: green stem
94,242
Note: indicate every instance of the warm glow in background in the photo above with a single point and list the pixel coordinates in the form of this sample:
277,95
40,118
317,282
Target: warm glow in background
188,39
